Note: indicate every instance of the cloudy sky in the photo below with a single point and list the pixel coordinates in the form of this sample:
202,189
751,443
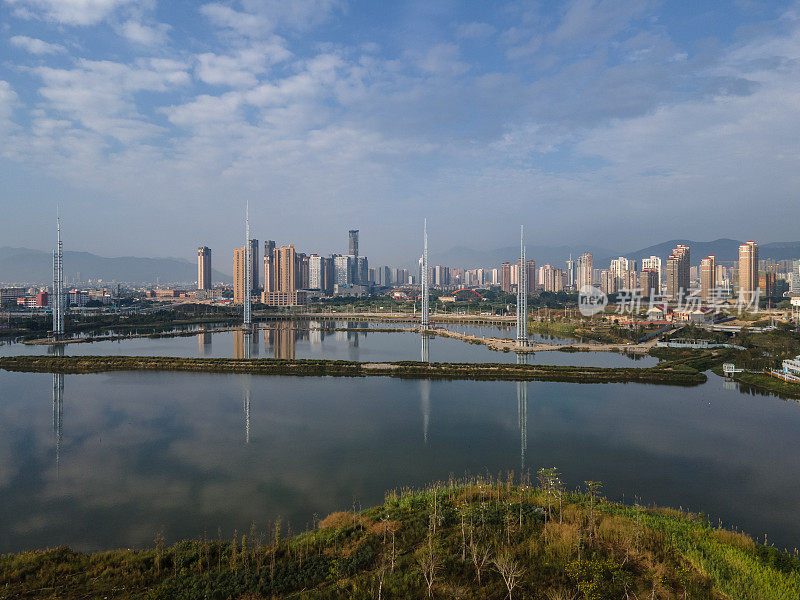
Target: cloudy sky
617,123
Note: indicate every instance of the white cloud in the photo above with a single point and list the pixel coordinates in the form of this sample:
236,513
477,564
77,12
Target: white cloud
8,99
71,12
443,59
145,35
99,94
248,24
242,68
36,46
259,18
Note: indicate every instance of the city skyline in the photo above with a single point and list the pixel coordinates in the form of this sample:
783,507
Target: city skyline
329,112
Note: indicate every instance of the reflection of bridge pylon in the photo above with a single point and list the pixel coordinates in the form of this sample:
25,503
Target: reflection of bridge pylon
58,413
247,413
522,414
426,354
425,397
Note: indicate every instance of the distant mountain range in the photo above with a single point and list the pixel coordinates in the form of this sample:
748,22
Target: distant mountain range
462,256
23,265
724,249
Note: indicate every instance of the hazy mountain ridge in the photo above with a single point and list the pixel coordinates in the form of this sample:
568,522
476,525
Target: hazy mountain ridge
462,256
23,265
724,249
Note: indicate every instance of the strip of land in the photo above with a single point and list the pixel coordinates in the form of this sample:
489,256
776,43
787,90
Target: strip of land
510,345
664,373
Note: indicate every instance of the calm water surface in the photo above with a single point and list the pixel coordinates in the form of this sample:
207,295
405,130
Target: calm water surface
109,460
320,340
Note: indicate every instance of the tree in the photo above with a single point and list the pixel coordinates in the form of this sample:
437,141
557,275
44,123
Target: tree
429,565
510,570
480,556
594,488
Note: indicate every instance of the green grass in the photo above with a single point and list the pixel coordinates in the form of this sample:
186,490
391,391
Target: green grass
666,373
565,545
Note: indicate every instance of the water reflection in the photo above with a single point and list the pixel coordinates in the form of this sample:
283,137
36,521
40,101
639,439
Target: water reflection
333,340
426,344
425,398
204,344
58,407
522,414
246,409
152,451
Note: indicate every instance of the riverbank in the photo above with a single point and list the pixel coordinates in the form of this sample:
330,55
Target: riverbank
510,345
767,384
665,373
477,539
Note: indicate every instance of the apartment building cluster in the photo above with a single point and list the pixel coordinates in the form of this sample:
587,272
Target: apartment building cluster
41,298
286,277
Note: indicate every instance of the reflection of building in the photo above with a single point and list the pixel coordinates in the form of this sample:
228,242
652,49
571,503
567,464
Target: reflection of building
282,337
204,343
243,343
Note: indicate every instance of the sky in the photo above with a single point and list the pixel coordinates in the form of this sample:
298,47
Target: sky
614,123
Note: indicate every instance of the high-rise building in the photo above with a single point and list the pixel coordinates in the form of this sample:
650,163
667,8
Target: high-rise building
301,277
270,284
239,262
353,245
678,273
608,283
551,279
708,277
585,274
254,265
654,262
766,283
530,274
570,271
328,277
649,283
203,268
315,272
748,271
342,270
619,270
505,277
285,269
362,268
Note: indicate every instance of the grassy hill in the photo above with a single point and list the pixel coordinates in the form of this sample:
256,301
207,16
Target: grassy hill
476,539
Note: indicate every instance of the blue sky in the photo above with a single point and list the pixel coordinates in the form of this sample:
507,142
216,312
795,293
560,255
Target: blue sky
615,123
